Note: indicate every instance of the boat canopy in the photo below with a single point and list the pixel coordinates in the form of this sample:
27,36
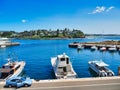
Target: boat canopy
63,56
100,63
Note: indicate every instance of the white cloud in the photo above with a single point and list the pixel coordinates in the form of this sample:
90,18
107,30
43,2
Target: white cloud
110,8
101,9
23,21
98,10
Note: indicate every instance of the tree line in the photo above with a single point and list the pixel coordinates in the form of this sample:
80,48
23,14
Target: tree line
43,34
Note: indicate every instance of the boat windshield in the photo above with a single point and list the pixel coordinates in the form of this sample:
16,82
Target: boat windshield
62,59
23,78
101,64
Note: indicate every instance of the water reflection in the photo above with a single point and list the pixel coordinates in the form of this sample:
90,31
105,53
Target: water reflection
93,73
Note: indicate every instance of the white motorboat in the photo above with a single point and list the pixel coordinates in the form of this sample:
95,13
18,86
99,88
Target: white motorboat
100,68
62,67
3,46
93,48
11,69
80,47
4,41
103,49
112,48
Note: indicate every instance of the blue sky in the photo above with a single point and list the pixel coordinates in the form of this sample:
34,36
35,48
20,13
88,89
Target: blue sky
90,16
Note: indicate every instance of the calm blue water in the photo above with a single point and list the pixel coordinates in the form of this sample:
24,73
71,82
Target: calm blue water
37,54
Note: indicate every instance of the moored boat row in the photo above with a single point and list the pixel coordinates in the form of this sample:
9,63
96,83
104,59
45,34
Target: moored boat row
102,46
111,48
61,64
93,48
63,68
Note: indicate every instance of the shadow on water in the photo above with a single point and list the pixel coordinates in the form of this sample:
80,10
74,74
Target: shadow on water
79,50
112,52
102,51
92,50
53,74
93,73
119,52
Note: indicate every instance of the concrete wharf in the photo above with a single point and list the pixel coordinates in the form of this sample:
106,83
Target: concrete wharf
10,44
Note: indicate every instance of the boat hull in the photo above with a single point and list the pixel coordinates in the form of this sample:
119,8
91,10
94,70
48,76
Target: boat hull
103,49
93,48
94,68
112,49
19,71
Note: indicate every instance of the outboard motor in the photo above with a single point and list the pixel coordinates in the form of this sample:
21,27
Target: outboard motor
103,74
110,74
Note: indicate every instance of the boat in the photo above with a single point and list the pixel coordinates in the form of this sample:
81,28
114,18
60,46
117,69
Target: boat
62,67
100,68
80,47
11,69
103,49
4,42
93,48
3,46
112,48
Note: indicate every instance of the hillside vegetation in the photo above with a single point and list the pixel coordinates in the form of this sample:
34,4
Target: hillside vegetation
44,34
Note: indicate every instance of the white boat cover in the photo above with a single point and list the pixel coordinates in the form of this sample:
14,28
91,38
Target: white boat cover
100,63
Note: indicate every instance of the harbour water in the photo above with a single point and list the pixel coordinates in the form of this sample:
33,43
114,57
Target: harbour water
37,55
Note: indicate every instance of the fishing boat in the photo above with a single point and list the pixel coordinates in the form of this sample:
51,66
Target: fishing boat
11,69
62,67
100,68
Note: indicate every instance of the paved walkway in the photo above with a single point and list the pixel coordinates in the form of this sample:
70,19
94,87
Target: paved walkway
102,83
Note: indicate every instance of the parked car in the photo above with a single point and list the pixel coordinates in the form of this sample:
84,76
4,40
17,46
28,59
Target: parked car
18,82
